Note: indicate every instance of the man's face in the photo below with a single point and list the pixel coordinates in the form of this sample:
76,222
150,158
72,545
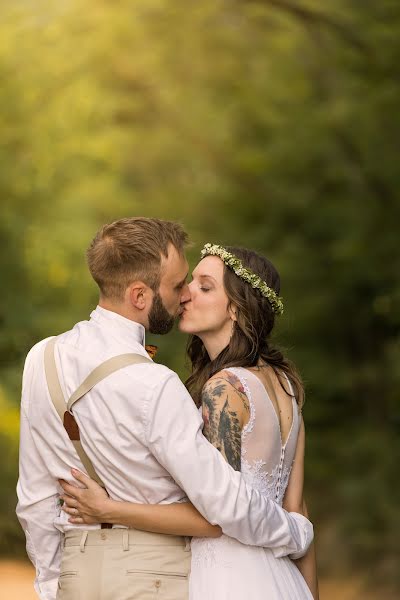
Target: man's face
172,292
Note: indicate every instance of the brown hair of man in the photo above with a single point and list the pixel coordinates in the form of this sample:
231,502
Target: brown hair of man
129,250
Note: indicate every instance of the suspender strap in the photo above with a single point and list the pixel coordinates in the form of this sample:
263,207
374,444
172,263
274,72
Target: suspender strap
53,382
98,374
104,370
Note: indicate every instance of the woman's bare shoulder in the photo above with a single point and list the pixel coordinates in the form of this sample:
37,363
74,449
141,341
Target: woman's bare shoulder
225,385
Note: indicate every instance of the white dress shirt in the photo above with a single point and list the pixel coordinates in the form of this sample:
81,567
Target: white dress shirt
143,433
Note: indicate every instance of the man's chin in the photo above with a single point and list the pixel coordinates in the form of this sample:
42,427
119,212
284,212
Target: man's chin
162,329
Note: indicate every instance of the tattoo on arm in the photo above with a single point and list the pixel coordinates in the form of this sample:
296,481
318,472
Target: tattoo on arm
237,384
221,423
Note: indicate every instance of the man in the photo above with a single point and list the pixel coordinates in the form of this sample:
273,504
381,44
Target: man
139,428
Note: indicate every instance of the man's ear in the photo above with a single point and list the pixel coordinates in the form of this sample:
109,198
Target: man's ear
139,295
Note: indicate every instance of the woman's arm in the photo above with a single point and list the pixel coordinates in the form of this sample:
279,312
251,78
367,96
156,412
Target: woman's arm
226,411
91,504
307,565
294,502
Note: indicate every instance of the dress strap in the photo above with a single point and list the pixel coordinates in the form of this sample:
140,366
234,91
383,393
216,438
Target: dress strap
296,409
289,384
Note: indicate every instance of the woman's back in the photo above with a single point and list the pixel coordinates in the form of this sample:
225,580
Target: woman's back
269,438
222,567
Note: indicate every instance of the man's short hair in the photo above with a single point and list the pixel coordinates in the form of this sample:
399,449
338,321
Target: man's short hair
130,250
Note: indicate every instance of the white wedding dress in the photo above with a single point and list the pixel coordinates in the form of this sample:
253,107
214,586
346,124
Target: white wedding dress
225,569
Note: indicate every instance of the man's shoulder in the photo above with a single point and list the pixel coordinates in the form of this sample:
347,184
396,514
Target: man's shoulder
155,375
37,349
62,337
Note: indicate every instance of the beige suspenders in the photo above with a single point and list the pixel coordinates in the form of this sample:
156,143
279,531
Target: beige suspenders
64,409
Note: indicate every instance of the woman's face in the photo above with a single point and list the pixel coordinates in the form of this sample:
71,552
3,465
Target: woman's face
207,310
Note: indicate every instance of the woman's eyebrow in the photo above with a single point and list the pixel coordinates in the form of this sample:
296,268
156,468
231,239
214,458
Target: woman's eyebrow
204,276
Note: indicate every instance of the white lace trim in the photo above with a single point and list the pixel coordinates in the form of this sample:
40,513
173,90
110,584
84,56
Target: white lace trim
248,428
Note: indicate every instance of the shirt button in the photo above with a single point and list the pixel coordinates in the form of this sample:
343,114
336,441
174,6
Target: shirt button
103,535
157,583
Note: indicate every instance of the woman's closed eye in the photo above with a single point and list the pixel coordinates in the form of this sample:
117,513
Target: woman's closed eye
203,282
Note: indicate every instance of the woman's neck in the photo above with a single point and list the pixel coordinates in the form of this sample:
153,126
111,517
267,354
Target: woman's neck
215,343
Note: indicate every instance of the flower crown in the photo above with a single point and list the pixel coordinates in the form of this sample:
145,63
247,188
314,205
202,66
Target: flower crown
244,273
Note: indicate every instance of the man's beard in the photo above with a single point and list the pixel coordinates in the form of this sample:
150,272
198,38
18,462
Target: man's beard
160,321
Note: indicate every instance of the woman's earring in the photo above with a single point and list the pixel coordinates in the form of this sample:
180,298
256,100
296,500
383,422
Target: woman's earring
232,329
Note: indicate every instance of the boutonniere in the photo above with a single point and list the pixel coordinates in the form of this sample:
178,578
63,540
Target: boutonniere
151,350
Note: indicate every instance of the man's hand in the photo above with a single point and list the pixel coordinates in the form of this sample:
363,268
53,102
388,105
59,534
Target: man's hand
86,505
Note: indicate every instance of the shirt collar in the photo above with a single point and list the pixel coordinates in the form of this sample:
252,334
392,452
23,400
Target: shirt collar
127,331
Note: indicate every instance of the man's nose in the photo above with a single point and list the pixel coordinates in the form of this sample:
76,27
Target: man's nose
185,295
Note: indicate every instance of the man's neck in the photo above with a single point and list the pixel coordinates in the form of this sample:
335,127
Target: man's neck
121,309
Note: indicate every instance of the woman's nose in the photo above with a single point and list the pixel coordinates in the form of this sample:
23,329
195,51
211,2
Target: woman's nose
185,295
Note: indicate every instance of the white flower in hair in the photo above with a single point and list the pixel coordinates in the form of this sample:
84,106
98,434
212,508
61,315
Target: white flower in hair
244,273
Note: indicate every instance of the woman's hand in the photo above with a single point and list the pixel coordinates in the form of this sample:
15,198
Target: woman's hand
87,505
90,504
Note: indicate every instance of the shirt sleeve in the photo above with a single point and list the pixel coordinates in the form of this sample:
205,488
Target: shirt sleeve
36,511
173,428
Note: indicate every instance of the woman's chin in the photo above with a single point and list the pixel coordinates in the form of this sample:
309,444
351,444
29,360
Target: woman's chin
182,328
185,327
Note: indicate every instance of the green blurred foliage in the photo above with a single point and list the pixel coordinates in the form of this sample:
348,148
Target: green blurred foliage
272,124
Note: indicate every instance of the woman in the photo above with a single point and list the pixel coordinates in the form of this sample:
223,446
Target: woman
251,398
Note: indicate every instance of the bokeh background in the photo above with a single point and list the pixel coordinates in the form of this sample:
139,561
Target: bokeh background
273,124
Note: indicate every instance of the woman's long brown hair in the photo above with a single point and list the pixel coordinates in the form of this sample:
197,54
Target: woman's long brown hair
250,344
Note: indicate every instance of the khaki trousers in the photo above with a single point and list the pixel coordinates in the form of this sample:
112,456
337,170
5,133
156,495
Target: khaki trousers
124,564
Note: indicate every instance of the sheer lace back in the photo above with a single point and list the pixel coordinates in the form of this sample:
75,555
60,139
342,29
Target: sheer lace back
266,464
266,458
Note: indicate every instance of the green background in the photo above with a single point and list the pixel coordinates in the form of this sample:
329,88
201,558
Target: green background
273,124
